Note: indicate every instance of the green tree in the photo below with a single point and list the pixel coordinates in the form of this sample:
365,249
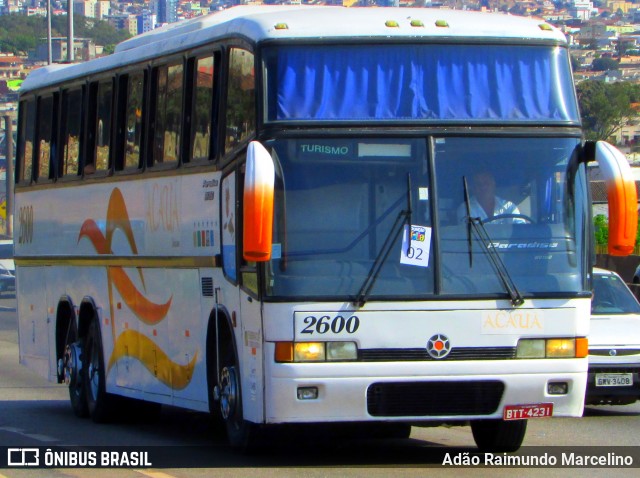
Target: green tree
575,63
606,107
601,226
605,64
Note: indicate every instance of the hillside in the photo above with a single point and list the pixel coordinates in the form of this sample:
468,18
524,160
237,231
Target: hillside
19,34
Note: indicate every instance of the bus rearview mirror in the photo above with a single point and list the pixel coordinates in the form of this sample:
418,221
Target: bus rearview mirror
621,196
258,204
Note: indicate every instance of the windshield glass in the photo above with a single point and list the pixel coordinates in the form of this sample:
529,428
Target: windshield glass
612,296
340,201
530,198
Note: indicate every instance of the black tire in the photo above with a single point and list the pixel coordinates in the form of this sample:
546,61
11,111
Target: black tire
71,370
217,422
241,434
99,402
498,436
77,392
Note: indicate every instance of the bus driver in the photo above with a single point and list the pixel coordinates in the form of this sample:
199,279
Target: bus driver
484,203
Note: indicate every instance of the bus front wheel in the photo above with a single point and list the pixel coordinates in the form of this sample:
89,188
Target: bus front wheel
241,433
498,436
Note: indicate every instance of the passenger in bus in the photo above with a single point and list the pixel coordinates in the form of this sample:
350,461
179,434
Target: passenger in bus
485,204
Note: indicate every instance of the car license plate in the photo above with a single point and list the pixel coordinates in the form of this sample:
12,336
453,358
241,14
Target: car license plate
523,412
614,379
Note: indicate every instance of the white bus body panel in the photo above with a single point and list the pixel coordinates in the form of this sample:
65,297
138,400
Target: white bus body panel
156,221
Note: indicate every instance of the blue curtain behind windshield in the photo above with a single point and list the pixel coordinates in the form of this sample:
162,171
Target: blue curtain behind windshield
421,82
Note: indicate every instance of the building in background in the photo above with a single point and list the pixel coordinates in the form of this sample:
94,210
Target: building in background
167,11
146,21
84,49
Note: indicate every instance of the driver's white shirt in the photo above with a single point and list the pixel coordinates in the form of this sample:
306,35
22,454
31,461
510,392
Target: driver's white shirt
502,206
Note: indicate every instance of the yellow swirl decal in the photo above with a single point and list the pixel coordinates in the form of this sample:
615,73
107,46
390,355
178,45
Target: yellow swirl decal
133,344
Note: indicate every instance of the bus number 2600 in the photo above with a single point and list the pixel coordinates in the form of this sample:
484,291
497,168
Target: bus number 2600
326,324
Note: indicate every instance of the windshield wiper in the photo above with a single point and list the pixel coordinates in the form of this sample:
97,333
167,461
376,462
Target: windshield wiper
402,218
494,257
467,203
476,224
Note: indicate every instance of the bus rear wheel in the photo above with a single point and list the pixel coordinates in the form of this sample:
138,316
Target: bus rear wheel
99,402
498,436
70,370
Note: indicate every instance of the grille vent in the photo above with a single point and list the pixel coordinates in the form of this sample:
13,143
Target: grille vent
207,286
432,399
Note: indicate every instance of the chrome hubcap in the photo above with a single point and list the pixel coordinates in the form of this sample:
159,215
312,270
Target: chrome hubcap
228,392
72,364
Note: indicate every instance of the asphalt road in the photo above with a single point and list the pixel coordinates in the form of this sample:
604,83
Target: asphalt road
35,413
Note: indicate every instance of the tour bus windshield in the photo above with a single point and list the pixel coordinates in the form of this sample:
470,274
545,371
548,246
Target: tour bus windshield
423,82
341,201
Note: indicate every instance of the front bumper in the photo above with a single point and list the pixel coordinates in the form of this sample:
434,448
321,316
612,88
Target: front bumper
419,392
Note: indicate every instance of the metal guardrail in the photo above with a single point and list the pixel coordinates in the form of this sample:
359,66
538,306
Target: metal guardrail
604,250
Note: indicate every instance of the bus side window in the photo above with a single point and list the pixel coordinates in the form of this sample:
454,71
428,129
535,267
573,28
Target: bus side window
202,127
240,98
70,125
166,117
98,128
46,126
130,99
26,141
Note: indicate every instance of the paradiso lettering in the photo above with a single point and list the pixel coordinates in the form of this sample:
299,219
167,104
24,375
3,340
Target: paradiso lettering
507,321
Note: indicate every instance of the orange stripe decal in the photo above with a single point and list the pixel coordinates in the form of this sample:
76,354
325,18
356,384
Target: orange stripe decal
147,311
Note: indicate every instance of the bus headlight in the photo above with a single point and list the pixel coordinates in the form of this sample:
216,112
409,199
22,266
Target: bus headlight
530,348
561,348
315,351
342,351
552,348
309,352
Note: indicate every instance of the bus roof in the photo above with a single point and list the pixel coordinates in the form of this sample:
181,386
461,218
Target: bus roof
258,23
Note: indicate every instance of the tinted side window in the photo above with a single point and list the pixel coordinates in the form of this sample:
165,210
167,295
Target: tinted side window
202,127
168,113
72,110
103,125
26,140
240,98
135,91
46,149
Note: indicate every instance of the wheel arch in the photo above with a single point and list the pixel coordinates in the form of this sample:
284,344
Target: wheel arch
86,313
227,339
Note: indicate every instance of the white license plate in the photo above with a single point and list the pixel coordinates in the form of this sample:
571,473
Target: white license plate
614,379
523,412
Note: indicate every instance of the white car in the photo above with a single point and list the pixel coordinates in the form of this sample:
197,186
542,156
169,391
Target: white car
614,342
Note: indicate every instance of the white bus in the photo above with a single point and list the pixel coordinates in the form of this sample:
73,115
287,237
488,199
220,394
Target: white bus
271,214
